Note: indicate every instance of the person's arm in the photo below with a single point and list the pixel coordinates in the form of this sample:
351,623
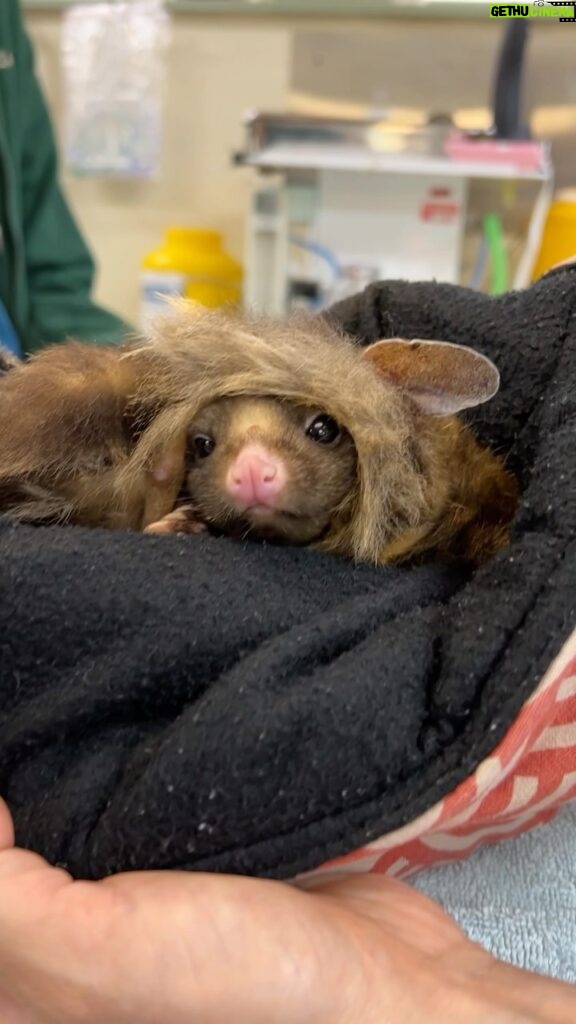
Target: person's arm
59,265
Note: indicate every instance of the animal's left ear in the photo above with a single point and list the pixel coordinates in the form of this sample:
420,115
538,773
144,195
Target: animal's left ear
440,377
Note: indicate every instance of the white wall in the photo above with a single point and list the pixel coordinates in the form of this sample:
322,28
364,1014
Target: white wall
214,76
220,67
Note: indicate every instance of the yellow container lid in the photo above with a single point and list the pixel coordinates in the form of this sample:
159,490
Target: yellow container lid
202,238
193,252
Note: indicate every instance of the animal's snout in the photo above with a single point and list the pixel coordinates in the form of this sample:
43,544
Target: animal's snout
256,477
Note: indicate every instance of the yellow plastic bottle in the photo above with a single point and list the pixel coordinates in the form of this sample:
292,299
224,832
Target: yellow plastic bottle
191,262
559,235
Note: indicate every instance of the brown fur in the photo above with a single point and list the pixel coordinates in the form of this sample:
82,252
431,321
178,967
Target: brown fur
98,436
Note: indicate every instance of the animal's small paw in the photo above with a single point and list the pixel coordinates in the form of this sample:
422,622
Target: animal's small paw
181,520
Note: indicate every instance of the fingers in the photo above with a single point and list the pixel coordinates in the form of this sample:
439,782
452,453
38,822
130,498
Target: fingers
16,862
6,827
181,520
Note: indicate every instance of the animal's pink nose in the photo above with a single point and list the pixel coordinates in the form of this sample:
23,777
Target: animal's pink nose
256,477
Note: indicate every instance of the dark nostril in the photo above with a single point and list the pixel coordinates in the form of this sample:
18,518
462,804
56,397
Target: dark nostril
268,473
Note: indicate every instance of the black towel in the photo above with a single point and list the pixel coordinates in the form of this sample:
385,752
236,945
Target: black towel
208,704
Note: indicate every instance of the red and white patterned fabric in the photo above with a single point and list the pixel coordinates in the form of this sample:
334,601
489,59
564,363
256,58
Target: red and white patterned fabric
529,775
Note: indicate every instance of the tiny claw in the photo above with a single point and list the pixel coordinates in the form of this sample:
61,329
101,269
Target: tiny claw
181,520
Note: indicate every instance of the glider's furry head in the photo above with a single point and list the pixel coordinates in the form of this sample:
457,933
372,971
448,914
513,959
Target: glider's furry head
197,356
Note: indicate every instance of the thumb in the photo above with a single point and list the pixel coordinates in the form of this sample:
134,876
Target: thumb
6,828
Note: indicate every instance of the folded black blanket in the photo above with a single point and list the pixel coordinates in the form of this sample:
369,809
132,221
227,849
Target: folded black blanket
208,704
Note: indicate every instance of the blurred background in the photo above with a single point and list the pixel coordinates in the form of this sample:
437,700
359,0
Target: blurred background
403,70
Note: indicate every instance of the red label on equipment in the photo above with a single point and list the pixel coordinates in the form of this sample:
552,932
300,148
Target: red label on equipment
441,213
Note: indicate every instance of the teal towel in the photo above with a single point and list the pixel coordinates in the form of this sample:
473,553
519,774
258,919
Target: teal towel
518,898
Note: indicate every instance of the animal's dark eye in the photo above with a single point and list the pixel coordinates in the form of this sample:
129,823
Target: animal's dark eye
203,445
323,430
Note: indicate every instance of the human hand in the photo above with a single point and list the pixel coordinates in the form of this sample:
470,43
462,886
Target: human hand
172,947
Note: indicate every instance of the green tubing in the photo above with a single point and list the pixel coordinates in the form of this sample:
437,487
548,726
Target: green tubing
498,255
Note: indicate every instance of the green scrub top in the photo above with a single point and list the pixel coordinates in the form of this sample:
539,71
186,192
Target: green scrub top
46,268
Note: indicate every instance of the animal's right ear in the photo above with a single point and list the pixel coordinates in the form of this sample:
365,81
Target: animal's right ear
442,378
